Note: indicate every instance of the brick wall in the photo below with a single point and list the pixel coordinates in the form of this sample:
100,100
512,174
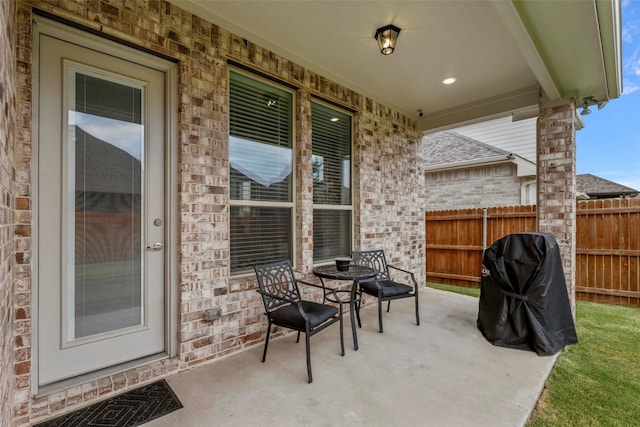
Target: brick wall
479,187
389,204
389,187
7,253
557,185
22,219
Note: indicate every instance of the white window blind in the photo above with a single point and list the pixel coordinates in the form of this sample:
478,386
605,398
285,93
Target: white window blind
261,165
332,195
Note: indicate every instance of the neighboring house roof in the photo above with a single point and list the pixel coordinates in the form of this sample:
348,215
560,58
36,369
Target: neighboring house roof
106,168
448,150
597,187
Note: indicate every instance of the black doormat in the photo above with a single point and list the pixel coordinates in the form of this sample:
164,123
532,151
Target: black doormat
132,408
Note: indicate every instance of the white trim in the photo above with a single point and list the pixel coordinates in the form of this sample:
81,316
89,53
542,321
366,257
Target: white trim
172,319
510,17
35,208
475,112
524,166
463,164
528,191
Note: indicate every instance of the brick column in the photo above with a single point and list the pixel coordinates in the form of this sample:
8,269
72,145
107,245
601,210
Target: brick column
303,246
556,211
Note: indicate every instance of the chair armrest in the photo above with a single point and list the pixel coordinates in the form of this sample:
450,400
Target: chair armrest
304,282
315,285
413,277
324,289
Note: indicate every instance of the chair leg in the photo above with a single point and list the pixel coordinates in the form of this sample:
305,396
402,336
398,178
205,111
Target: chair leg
417,311
354,332
388,305
380,314
308,357
358,311
266,343
298,338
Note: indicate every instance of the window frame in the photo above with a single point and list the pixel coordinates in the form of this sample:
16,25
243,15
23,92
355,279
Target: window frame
291,205
337,207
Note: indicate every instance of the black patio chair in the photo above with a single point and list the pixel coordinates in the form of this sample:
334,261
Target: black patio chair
382,286
284,306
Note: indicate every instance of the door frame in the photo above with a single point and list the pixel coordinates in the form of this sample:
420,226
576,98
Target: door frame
89,40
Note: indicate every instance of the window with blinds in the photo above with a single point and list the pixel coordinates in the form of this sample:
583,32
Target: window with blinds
331,168
261,165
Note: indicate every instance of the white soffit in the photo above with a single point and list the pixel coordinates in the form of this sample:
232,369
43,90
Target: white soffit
501,52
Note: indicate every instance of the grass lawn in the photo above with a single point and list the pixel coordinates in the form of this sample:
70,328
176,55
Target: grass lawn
597,381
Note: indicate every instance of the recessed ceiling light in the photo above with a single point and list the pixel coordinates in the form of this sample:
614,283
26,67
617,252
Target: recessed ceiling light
449,80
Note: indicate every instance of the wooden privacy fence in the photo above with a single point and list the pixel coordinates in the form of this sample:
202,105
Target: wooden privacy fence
607,246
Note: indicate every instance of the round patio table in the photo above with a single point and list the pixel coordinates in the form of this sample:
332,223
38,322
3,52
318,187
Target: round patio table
354,273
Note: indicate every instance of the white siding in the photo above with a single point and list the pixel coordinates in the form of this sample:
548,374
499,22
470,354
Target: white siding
515,137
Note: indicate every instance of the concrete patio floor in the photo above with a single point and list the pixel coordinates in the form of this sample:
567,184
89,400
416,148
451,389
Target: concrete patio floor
441,373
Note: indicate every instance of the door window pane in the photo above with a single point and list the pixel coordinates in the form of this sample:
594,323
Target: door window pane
106,139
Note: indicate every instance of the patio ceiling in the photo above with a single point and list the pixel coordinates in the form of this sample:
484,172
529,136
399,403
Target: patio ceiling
501,52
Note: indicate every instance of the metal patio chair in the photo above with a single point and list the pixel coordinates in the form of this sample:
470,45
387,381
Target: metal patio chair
383,287
284,306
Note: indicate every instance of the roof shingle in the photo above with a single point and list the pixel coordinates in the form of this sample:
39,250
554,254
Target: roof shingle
595,186
442,148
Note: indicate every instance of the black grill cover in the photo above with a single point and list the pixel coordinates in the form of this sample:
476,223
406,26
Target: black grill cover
523,300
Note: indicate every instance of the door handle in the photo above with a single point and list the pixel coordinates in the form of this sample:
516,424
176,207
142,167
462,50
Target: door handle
155,247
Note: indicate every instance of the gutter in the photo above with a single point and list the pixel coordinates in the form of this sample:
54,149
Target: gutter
524,167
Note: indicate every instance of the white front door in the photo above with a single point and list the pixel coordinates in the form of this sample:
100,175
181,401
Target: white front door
100,207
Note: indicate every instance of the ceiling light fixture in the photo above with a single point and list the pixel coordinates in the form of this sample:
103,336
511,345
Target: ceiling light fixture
449,80
387,37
